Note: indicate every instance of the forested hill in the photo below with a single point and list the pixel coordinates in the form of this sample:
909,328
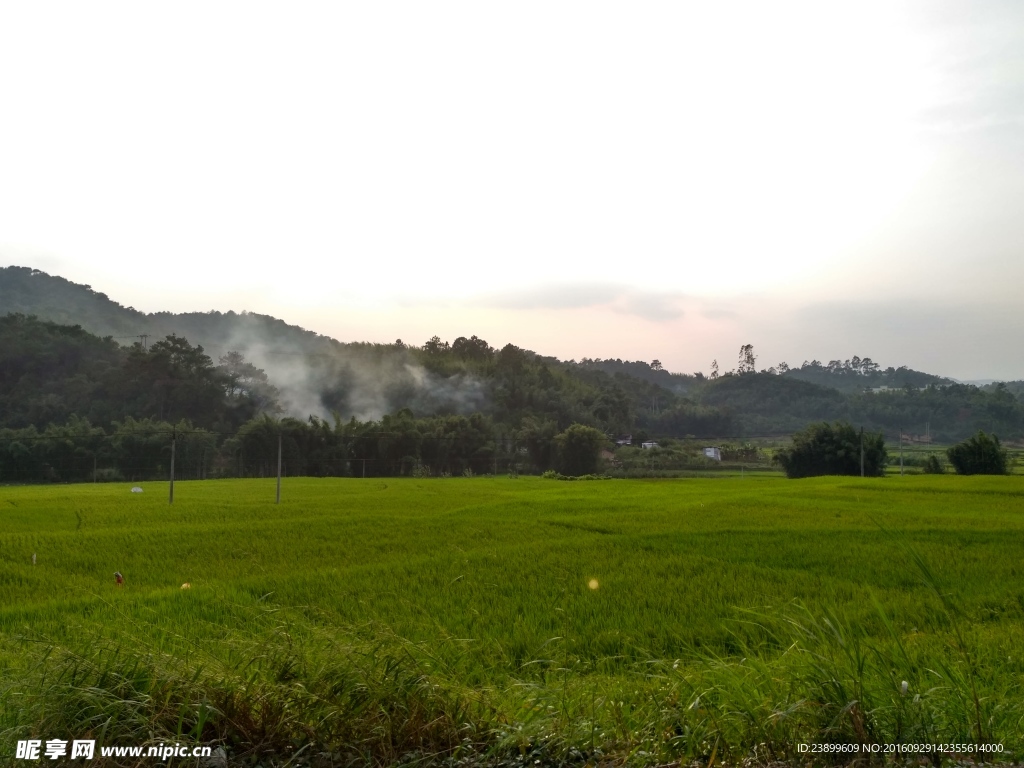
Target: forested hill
48,297
221,370
857,375
32,292
262,337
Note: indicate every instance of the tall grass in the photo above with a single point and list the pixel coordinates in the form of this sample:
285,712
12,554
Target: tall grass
274,699
305,695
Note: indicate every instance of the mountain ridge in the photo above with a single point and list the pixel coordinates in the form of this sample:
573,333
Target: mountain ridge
51,297
319,376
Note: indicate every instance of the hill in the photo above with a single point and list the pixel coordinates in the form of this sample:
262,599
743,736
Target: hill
319,375
49,297
857,375
70,351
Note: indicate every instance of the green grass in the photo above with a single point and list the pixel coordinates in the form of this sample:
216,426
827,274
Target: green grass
386,619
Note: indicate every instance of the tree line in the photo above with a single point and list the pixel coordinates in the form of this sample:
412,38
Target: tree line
59,382
839,449
50,373
395,445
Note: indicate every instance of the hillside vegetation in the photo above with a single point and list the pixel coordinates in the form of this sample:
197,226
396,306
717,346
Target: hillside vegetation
72,400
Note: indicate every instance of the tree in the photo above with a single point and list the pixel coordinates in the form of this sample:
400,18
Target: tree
612,408
435,346
170,381
833,449
978,455
248,389
579,450
714,369
511,360
748,360
471,348
510,367
538,437
656,365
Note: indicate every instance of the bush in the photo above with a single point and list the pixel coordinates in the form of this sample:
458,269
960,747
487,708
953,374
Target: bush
833,449
552,475
932,465
579,450
978,455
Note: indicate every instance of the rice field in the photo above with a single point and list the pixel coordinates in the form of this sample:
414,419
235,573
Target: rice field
505,621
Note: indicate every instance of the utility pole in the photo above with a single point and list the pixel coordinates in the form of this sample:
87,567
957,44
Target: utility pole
278,468
901,451
144,337
174,440
862,451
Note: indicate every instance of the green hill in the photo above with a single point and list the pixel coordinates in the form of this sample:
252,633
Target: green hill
250,364
49,297
857,375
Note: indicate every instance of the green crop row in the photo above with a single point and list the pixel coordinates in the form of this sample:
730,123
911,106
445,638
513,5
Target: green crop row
465,619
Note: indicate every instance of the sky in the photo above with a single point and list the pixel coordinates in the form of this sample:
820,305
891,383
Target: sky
657,180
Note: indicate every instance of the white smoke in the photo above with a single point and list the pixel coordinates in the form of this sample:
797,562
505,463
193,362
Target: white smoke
365,381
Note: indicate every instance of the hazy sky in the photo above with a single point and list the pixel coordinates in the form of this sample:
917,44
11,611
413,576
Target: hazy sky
639,180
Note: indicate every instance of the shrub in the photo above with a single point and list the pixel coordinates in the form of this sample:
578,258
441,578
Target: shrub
579,450
552,475
833,449
932,465
978,455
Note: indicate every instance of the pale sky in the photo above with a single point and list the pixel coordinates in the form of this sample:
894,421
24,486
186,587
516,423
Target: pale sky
639,180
